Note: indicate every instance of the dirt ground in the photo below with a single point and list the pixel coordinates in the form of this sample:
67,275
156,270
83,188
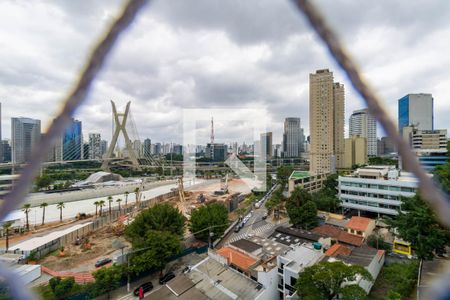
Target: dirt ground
78,259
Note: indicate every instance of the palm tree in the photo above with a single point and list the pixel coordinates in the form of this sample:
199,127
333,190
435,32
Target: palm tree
126,197
60,206
118,201
96,203
26,209
110,199
43,206
101,203
136,192
6,226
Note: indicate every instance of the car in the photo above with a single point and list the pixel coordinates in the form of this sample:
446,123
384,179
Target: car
146,287
166,278
264,216
237,228
102,262
186,269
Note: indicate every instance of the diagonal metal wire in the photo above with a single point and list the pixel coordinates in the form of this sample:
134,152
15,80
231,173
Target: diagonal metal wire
429,191
74,99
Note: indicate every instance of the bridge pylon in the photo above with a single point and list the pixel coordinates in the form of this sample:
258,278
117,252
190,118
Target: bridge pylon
120,126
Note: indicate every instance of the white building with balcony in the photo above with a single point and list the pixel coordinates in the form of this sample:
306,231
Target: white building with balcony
376,189
293,262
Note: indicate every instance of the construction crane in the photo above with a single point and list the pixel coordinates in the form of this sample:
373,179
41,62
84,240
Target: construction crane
182,198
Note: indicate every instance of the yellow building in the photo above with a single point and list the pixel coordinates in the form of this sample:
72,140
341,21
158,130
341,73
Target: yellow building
355,152
326,119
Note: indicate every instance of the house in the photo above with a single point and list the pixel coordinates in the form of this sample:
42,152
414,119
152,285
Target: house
361,226
338,235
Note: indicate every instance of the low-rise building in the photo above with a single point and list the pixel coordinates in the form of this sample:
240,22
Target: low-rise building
338,235
292,263
360,226
369,258
376,189
307,181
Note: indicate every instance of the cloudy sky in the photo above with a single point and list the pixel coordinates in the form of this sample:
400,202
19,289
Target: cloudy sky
209,54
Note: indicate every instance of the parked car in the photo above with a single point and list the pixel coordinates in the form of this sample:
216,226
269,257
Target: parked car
146,287
166,278
264,216
237,228
103,261
186,269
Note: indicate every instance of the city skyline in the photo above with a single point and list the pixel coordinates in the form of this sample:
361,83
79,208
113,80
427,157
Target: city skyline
221,62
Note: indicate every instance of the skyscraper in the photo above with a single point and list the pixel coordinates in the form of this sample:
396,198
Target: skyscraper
72,141
147,147
25,134
6,150
266,144
362,124
103,147
95,150
416,110
292,137
326,119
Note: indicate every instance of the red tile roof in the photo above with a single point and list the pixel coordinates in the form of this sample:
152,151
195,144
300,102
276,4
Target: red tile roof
239,259
338,234
338,249
359,223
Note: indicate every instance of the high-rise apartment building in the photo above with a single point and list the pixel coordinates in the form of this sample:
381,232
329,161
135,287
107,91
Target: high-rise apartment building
355,151
95,150
72,141
6,150
416,110
147,148
326,117
25,134
137,147
362,124
103,147
266,144
292,137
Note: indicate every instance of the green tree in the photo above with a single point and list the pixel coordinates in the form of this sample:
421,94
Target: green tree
62,288
101,203
325,280
283,173
136,192
161,246
108,279
126,198
7,226
118,202
213,216
161,217
377,242
302,211
43,206
26,209
43,181
60,206
442,172
276,203
96,203
110,200
417,224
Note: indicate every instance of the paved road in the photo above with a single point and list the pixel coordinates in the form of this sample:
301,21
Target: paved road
255,225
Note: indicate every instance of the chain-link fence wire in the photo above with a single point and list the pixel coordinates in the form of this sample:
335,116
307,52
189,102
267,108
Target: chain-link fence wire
430,192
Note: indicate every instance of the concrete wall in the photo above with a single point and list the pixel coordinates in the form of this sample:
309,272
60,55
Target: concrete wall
269,280
35,199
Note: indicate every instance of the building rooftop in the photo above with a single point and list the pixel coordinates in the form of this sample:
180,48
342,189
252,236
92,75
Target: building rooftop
338,249
290,236
361,256
270,248
36,242
219,282
237,258
246,245
179,288
302,256
299,174
338,234
359,223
